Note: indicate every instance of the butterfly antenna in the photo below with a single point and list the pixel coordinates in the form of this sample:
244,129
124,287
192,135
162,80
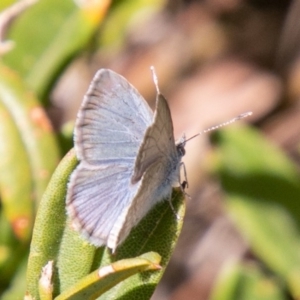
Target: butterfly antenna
239,117
155,79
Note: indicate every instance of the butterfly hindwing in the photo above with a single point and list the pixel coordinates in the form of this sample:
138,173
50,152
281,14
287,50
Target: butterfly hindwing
158,162
96,198
158,142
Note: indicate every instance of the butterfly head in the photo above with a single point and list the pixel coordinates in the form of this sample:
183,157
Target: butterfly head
180,146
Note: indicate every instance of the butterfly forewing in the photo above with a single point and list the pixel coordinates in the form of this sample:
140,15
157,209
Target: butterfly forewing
111,121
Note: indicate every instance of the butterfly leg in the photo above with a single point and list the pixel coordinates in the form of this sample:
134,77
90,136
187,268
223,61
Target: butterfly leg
184,184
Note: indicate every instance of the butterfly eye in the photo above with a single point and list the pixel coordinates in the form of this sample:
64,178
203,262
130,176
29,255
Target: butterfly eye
180,149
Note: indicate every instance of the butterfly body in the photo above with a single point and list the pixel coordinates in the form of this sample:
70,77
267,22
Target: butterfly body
128,160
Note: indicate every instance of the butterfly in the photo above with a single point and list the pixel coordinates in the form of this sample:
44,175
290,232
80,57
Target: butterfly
129,160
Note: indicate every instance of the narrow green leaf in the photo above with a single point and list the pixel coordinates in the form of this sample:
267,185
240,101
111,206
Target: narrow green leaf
99,281
15,176
29,156
34,127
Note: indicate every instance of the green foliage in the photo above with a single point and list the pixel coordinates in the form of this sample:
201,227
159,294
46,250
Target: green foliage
246,282
74,258
262,192
25,167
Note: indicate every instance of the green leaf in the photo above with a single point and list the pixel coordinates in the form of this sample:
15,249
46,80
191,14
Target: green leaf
16,183
74,258
31,26
34,127
100,281
53,43
263,189
49,224
29,156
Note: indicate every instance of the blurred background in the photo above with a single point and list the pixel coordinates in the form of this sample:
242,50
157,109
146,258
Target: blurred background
214,60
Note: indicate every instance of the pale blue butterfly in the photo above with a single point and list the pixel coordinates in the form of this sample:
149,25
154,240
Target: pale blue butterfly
129,160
